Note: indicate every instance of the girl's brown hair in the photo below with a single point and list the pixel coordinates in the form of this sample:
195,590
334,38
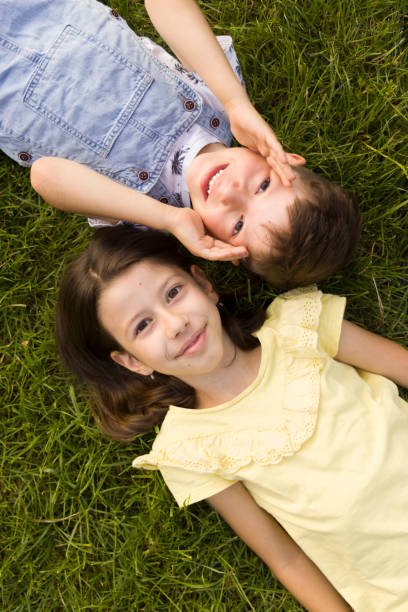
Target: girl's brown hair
124,403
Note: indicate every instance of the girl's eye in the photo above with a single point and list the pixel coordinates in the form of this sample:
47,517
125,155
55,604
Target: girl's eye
238,227
173,293
141,326
264,186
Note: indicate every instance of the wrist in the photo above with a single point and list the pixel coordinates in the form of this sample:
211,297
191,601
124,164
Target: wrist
239,99
170,219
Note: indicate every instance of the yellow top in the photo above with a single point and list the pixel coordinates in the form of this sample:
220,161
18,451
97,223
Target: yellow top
320,445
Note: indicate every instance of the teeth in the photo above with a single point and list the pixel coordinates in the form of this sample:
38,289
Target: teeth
211,183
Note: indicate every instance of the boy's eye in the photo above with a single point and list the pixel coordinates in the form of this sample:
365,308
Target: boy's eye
238,227
141,326
173,293
264,186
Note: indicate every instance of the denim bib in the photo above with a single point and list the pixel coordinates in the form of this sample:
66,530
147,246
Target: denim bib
76,82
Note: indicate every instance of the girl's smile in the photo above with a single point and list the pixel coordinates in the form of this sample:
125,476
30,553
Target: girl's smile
194,345
165,320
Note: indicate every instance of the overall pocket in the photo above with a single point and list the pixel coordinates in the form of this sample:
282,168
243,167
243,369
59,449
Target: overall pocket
86,89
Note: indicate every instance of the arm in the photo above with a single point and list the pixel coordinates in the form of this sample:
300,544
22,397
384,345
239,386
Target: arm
199,51
197,48
277,549
76,188
368,351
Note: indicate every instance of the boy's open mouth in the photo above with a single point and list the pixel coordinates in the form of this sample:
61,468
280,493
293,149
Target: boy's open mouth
210,178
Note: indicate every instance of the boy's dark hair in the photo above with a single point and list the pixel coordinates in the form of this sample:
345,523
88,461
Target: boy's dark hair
324,231
125,403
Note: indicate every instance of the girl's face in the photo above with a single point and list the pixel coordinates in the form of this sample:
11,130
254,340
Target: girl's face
165,319
238,196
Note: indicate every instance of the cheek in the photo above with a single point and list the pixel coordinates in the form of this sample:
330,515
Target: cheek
214,218
142,349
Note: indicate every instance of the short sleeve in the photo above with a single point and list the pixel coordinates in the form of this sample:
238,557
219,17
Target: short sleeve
330,322
308,319
190,487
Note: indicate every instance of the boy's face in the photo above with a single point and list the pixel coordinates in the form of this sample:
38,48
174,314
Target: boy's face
238,196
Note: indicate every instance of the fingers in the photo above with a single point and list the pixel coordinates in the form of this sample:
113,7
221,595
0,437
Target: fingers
272,150
285,172
275,147
192,235
221,251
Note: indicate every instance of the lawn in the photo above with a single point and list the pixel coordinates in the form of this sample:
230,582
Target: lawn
81,530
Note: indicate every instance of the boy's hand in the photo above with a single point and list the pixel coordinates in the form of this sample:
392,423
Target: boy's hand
253,132
187,226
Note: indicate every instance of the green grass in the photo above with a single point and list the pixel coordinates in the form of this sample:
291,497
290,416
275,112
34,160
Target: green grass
81,530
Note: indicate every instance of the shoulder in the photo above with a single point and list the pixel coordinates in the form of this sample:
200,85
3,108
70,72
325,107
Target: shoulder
306,317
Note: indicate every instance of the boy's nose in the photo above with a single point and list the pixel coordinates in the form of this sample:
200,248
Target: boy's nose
231,193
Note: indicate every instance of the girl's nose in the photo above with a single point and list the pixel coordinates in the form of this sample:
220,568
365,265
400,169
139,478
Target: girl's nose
175,324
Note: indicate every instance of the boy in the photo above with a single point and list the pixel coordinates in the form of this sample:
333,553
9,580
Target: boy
97,94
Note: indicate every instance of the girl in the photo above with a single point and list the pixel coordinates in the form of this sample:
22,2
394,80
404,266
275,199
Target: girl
77,83
298,421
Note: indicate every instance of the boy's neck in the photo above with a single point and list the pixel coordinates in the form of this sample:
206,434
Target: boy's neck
211,147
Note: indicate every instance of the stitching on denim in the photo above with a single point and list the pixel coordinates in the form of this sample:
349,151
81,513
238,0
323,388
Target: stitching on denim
30,96
32,56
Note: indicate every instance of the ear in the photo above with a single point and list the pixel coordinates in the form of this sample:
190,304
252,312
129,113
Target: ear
295,160
130,363
203,282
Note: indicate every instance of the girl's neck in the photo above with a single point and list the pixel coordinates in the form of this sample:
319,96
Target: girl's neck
237,371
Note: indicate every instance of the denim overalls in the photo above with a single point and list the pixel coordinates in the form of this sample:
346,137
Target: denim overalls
76,82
